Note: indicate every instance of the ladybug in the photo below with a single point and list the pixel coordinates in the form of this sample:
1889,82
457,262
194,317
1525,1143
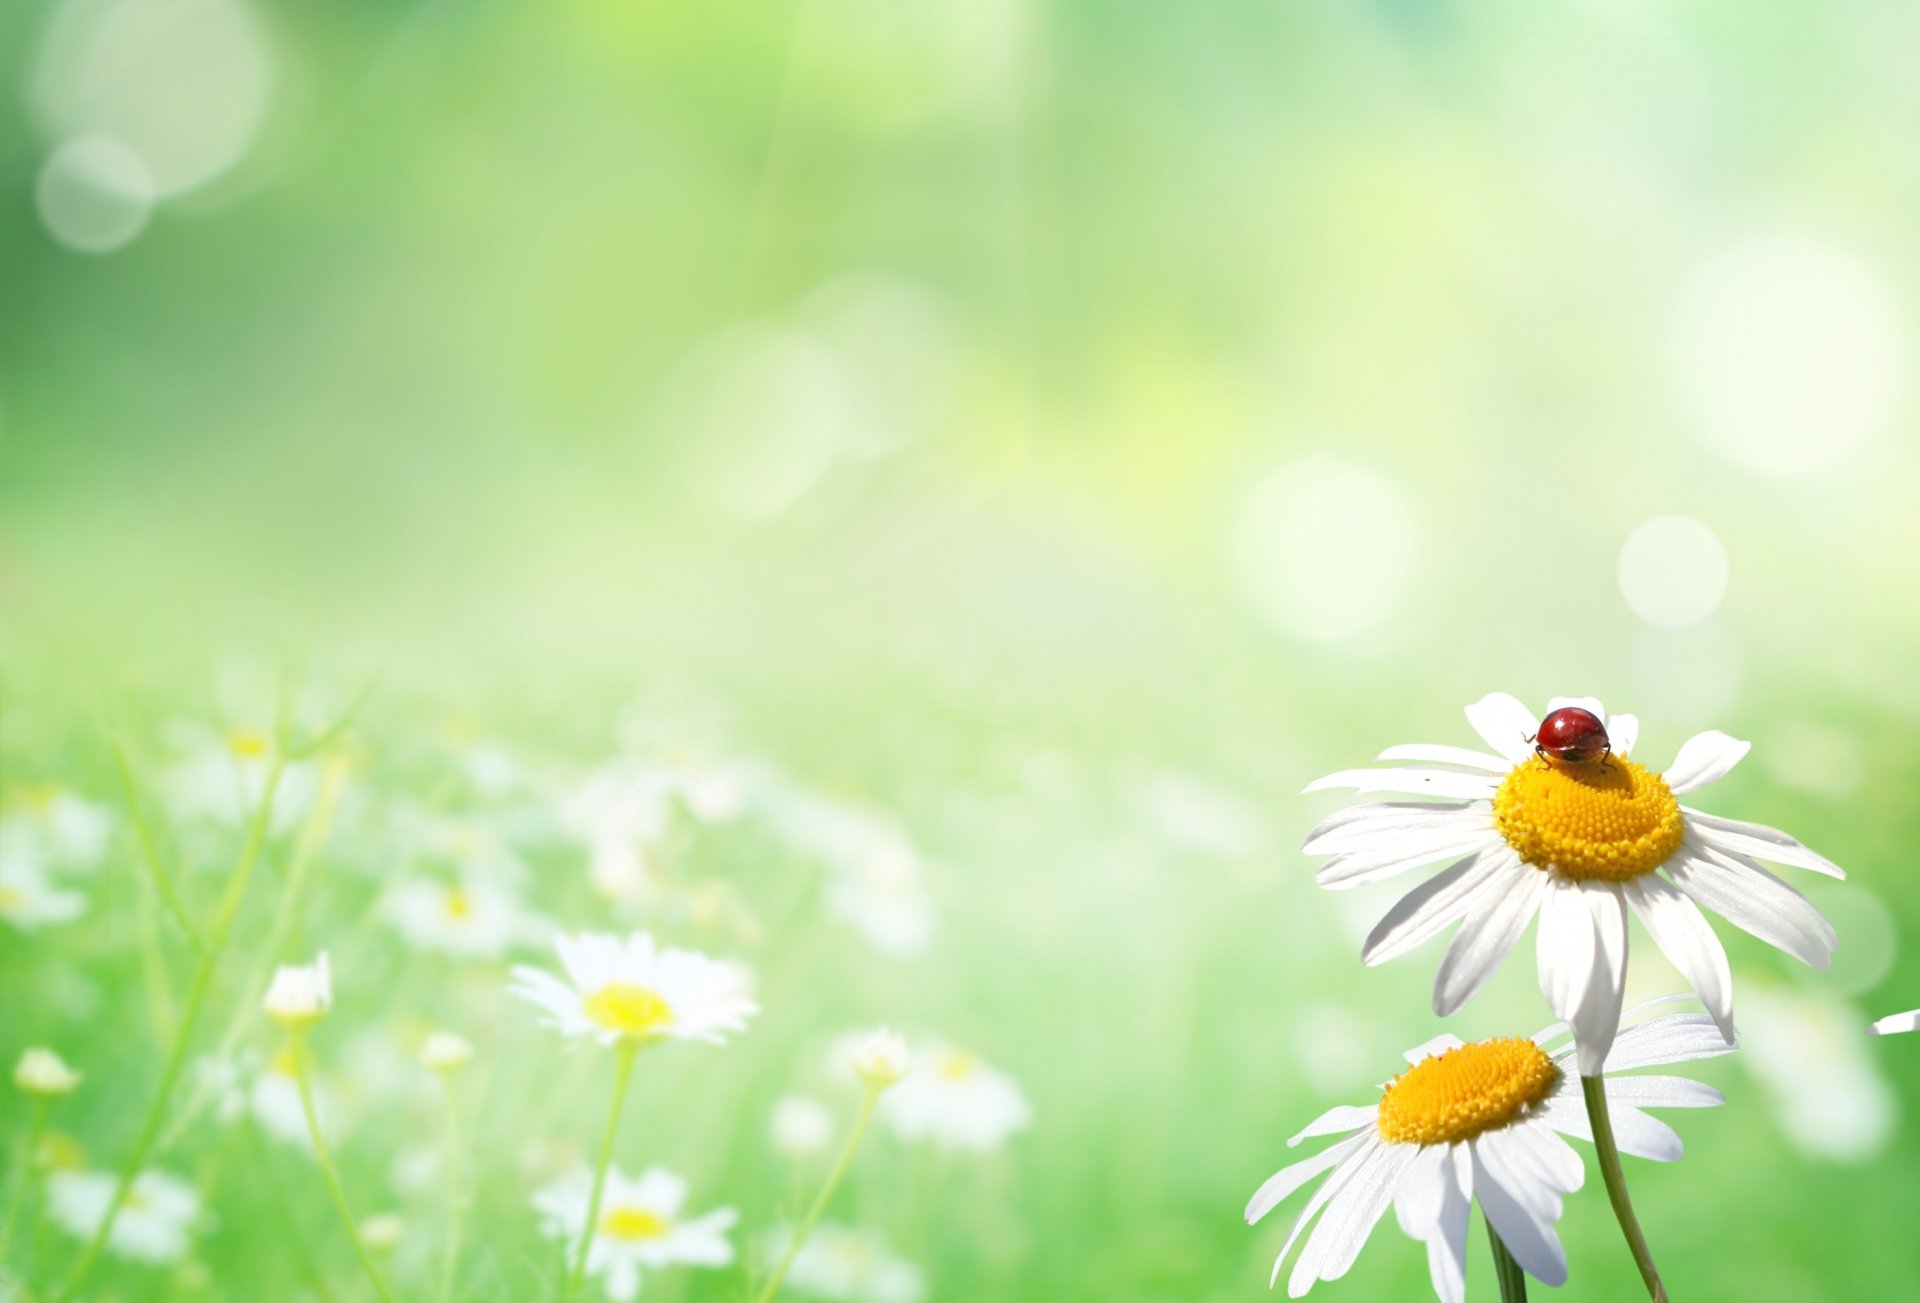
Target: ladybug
1572,736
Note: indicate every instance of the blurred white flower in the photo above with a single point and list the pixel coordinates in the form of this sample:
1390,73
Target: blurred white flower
628,990
640,1226
1480,1123
55,826
848,1266
42,1072
954,1100
221,776
29,901
1563,824
154,1224
1897,1022
300,994
881,1059
883,895
446,1052
471,920
801,1125
381,1232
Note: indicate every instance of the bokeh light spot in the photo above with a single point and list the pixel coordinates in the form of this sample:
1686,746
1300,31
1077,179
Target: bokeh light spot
94,195
1324,549
1673,571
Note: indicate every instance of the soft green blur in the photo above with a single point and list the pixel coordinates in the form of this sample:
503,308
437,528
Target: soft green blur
1067,428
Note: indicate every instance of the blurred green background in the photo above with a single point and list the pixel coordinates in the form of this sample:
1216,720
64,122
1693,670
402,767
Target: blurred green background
1065,428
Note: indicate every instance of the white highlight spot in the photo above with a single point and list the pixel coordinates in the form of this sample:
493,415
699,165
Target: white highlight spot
94,194
1324,549
1789,352
1673,571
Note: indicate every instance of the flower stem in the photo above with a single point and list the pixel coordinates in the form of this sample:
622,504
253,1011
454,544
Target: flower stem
1513,1281
149,846
303,1076
450,1166
812,1219
22,1174
629,1050
215,943
1595,1090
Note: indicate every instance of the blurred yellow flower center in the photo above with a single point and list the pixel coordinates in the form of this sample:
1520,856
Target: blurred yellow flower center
246,744
633,1224
38,797
284,1063
11,899
1469,1089
956,1065
628,1009
1609,819
458,906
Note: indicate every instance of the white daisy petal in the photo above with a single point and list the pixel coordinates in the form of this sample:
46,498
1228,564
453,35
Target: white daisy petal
1409,780
1426,911
1370,820
1623,733
1704,758
1684,936
1344,872
1533,1243
1675,1038
1663,1092
1447,1246
1486,938
1565,946
1897,1022
1365,1148
1598,1018
1520,1174
1337,1121
1551,1157
1755,901
1756,839
1427,753
1418,1202
1504,724
1349,1220
1294,1175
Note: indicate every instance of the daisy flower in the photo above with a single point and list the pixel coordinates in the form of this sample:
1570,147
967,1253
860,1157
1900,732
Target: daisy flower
300,995
70,830
800,1125
44,1073
1897,1022
1479,1122
953,1099
471,920
220,776
154,1224
1559,820
630,990
639,1226
848,1266
29,901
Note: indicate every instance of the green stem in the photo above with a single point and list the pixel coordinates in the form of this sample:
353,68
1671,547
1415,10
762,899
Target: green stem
302,1075
629,1050
1595,1090
840,1166
216,941
149,847
1513,1281
450,1255
22,1175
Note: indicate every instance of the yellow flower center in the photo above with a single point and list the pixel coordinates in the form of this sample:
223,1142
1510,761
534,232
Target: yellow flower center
11,900
633,1224
630,1010
1608,819
1469,1089
956,1065
247,744
458,906
284,1063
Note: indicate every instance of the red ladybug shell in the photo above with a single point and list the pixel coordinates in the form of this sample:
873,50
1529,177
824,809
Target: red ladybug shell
1572,735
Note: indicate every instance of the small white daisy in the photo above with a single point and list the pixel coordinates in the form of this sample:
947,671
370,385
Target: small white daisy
220,777
55,825
300,994
1897,1022
1479,1122
953,1099
881,1059
471,920
155,1223
44,1073
1579,834
446,1052
800,1125
848,1266
628,990
639,1227
29,901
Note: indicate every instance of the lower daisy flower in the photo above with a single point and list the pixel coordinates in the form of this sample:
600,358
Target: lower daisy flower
1480,1122
1559,820
638,1226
